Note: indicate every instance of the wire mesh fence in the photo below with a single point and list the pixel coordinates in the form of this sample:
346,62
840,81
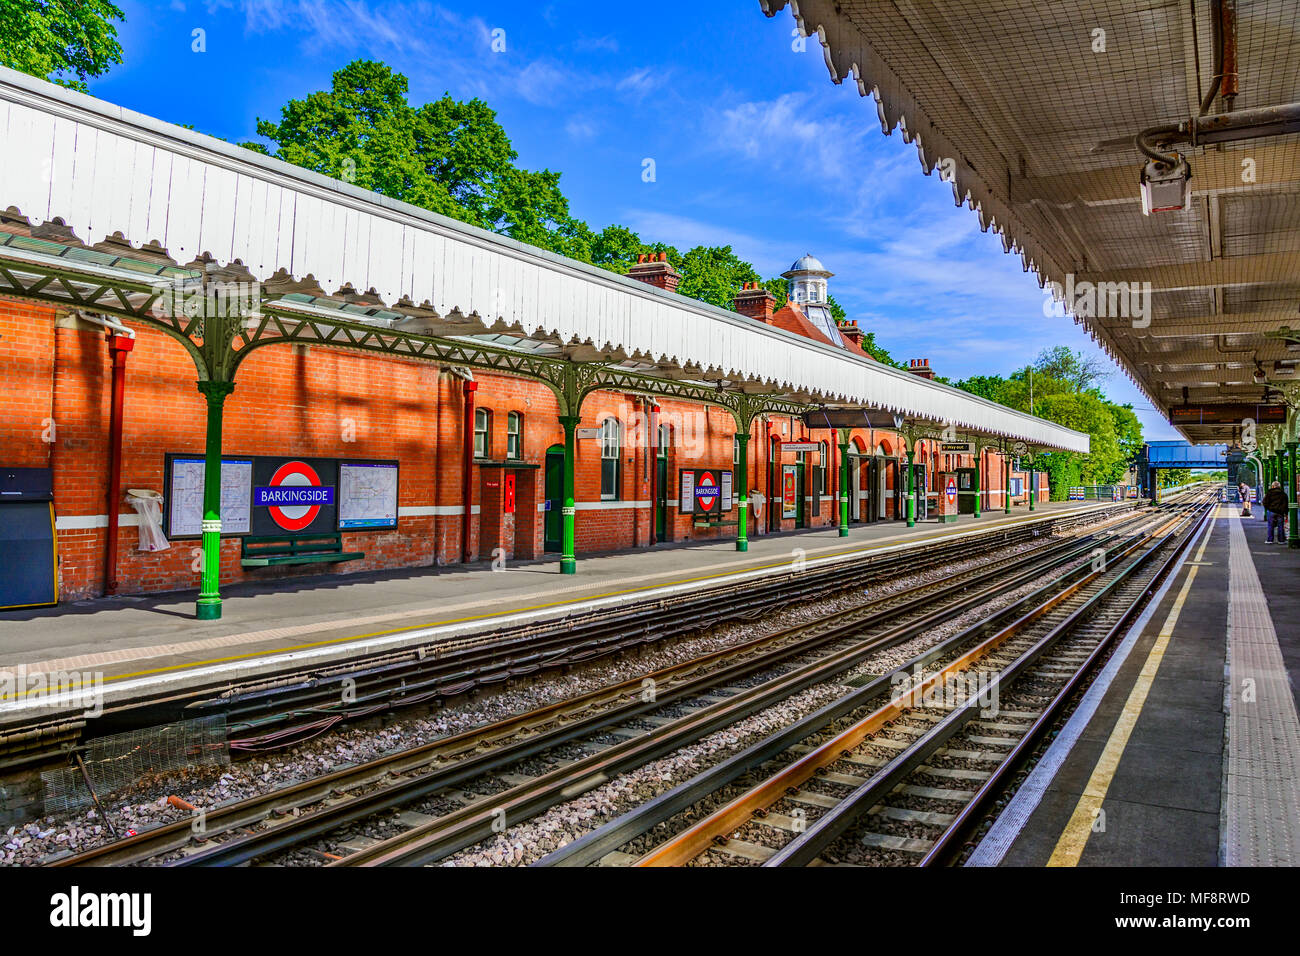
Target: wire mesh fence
117,762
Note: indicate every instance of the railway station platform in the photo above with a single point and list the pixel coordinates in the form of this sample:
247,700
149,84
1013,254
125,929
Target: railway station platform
1185,751
154,645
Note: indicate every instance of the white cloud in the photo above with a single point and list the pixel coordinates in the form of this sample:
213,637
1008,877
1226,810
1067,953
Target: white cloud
641,83
580,129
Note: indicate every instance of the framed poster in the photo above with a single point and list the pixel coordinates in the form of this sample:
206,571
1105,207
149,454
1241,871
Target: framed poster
183,515
686,489
726,491
789,492
367,495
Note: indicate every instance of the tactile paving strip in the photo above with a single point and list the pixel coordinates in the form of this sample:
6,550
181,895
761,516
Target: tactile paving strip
1261,808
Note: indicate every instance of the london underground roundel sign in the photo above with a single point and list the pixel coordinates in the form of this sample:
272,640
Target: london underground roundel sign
295,495
706,491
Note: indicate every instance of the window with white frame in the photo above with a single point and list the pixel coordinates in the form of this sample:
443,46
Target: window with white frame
482,433
611,448
515,436
822,463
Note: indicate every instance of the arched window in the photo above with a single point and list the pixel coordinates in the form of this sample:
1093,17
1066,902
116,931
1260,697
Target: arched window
665,440
611,448
735,450
482,433
823,464
515,436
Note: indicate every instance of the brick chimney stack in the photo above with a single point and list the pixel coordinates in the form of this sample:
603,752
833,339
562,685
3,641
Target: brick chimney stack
920,367
755,301
656,270
849,329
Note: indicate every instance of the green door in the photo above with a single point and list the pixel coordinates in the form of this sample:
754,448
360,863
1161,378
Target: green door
661,506
553,534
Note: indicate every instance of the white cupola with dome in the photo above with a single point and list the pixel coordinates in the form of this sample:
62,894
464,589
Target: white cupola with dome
808,280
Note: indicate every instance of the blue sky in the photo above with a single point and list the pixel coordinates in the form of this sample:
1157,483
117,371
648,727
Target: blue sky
753,145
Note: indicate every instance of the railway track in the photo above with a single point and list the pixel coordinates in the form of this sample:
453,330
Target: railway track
458,790
282,710
900,771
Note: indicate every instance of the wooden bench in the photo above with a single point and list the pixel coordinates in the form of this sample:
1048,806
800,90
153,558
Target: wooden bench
717,524
260,551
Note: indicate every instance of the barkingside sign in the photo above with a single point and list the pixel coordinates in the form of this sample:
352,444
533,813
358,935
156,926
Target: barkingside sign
705,491
296,494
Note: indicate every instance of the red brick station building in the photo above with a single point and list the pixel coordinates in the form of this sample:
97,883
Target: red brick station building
422,421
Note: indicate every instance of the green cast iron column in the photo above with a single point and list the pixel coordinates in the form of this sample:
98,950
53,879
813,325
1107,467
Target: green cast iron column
911,493
844,485
1293,532
208,607
742,519
568,561
979,467
1006,481
1033,486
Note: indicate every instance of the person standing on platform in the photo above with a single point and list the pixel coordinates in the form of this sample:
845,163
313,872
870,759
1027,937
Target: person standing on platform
1275,505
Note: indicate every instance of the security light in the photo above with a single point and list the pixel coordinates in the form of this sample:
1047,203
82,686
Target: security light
1164,185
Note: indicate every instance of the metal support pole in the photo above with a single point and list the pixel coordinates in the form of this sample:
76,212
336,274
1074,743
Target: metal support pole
208,607
742,481
1006,481
1293,532
911,487
979,468
568,560
844,483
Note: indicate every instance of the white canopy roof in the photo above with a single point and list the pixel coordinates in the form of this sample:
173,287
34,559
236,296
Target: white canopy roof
104,170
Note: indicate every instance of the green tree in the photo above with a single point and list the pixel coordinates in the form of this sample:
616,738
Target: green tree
65,41
1078,370
713,274
448,156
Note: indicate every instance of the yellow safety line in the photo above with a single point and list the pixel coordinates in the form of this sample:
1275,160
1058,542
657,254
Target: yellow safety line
1074,837
946,533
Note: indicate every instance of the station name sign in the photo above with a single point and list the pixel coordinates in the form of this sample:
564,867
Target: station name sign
1227,414
800,446
265,496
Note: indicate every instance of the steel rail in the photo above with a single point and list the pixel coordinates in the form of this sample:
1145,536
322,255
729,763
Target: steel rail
242,814
399,680
696,839
967,817
470,824
807,846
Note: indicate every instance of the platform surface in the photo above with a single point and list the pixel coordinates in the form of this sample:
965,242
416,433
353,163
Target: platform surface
1186,750
132,641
